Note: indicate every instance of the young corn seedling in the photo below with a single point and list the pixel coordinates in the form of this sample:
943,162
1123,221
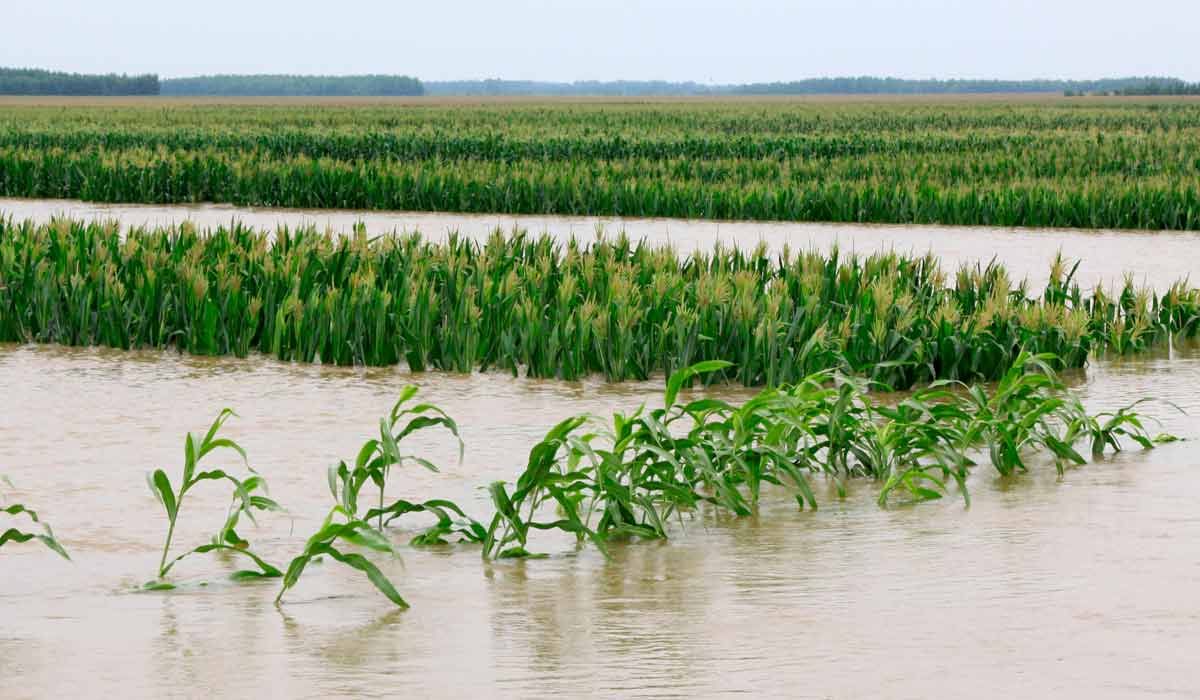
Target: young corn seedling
248,496
342,526
378,457
374,463
623,480
919,445
18,536
549,477
1104,430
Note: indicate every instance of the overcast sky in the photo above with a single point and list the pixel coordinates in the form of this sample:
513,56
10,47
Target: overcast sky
702,40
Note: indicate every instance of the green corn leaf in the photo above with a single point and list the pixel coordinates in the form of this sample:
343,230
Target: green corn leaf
162,488
189,460
677,380
359,562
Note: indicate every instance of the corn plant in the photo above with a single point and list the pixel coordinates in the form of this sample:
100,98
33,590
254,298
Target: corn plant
248,496
1104,431
921,446
985,163
379,456
548,477
1030,409
545,308
373,464
627,478
16,535
340,526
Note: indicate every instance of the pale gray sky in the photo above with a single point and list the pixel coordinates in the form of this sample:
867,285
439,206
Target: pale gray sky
702,40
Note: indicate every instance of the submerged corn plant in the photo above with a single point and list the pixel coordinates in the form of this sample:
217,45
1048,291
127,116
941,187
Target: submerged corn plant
1031,411
628,477
338,527
248,496
379,456
373,464
549,476
16,535
601,480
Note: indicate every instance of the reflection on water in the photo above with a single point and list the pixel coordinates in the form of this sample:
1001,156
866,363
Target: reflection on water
1154,258
1082,586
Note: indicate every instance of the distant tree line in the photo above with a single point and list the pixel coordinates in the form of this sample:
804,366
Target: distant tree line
862,85
30,81
294,85
613,88
866,85
1162,86
898,86
14,81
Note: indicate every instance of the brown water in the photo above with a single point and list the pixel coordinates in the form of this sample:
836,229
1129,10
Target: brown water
1079,587
1154,258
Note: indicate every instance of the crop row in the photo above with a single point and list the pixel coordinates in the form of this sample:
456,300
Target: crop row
718,119
625,188
1132,165
519,303
367,145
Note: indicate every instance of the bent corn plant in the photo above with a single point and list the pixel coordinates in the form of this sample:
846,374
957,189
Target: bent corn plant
602,481
14,533
374,464
248,496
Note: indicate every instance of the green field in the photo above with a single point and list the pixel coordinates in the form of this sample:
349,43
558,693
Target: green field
987,161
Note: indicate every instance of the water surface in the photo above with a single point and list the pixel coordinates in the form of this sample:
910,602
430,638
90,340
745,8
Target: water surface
1081,587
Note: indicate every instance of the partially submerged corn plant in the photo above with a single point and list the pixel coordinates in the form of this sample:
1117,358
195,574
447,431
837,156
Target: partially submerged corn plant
378,457
341,526
374,464
16,535
534,305
629,476
550,477
601,481
248,496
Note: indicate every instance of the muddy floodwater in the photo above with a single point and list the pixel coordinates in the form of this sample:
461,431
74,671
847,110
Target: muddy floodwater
1154,258
1081,586
1084,586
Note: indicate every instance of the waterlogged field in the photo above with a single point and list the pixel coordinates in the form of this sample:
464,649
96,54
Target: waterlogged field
496,463
1058,163
781,516
1105,257
930,599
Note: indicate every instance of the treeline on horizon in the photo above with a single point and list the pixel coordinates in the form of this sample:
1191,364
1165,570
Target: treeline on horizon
294,86
899,86
32,81
861,85
1164,86
599,88
22,81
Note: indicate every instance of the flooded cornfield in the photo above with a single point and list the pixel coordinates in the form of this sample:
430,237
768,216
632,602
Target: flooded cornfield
850,600
1046,585
1154,258
501,379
